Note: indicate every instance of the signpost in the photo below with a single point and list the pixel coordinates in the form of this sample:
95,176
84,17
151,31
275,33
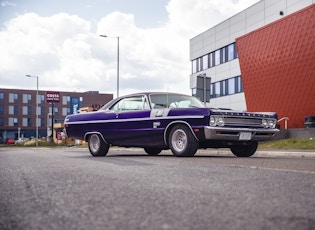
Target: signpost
52,97
203,88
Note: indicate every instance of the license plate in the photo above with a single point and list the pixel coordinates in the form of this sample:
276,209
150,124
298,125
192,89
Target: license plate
245,135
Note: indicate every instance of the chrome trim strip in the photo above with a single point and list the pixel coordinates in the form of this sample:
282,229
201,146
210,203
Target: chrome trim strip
132,119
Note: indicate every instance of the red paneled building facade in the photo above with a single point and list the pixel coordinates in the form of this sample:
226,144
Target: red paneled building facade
271,65
278,67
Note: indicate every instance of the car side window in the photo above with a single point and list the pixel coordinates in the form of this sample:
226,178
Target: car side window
131,103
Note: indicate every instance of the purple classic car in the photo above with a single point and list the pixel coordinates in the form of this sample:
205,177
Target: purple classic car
159,121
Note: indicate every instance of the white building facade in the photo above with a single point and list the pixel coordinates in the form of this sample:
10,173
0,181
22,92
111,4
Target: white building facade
214,52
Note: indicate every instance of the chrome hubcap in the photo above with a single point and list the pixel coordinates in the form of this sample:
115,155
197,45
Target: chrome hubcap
179,140
94,142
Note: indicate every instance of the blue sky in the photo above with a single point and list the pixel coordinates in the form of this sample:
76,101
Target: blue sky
58,40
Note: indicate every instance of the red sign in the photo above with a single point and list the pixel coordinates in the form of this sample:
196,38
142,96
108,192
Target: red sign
52,97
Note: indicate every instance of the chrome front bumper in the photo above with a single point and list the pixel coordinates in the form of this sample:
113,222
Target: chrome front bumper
239,134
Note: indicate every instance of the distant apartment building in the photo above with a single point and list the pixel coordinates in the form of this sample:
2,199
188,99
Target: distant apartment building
18,110
261,59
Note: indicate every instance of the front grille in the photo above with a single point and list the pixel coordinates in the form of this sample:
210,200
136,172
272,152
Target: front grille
243,122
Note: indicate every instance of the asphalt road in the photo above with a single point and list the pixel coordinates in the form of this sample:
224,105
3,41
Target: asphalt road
69,189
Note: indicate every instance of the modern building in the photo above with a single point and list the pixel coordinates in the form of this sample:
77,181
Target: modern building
261,59
18,110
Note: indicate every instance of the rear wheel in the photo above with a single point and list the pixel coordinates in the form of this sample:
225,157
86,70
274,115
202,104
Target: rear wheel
182,142
97,146
152,151
245,150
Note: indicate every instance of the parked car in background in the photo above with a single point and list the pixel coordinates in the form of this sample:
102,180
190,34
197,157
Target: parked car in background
9,141
160,121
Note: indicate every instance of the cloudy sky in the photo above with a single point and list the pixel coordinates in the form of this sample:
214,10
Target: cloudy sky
59,42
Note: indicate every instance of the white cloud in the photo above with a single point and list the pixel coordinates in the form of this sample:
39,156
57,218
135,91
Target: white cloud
66,55
7,3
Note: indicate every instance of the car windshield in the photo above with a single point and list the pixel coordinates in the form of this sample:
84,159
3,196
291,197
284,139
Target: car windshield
174,101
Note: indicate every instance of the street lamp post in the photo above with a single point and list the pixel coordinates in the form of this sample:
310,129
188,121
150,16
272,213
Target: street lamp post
105,36
36,122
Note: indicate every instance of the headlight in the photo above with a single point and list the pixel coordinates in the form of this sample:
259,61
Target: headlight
271,123
264,123
220,121
216,121
212,121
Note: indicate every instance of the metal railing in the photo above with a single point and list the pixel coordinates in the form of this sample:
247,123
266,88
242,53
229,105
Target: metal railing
285,122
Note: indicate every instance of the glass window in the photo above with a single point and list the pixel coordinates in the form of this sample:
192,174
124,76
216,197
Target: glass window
27,98
15,121
1,109
217,57
194,66
42,99
11,109
24,110
1,97
1,121
56,110
205,62
131,103
239,84
231,52
174,101
223,55
200,68
65,100
13,98
217,89
42,122
231,86
211,60
42,110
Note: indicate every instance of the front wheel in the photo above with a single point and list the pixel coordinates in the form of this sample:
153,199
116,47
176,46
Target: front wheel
152,151
182,142
245,150
97,146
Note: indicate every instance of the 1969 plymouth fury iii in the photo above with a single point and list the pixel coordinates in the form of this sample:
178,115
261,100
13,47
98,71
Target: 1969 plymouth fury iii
160,121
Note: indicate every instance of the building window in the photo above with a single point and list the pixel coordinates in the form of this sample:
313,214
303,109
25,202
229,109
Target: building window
1,121
65,100
42,122
56,111
65,111
231,85
231,52
42,110
13,98
194,66
226,87
13,121
239,84
205,62
217,57
13,110
220,56
27,98
223,55
26,122
1,97
1,109
41,98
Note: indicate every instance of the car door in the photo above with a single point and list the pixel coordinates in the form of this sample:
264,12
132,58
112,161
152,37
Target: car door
132,124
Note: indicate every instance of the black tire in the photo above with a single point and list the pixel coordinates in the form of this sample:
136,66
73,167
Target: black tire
245,150
152,151
97,146
182,142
